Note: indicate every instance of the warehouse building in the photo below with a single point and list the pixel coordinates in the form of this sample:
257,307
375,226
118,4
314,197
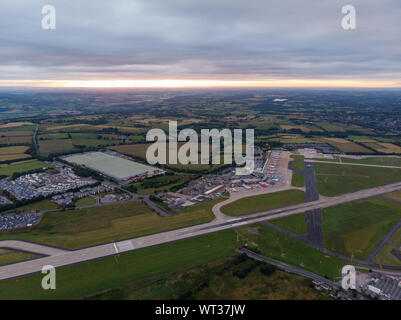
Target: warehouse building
117,168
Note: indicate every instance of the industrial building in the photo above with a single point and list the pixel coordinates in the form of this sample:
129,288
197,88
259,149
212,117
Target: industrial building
117,168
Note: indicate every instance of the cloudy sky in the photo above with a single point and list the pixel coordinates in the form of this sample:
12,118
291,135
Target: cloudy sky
279,42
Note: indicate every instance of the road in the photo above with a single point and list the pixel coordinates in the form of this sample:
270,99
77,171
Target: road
71,257
288,268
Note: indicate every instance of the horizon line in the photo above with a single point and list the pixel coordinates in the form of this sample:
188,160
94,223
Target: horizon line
205,83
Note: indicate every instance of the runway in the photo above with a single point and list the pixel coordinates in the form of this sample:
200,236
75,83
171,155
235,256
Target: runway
313,218
64,258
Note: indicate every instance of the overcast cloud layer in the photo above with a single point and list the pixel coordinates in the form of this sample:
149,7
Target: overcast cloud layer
200,39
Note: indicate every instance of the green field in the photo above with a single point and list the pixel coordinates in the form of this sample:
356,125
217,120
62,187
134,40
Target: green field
334,179
79,228
13,153
11,256
94,142
85,202
160,183
298,180
385,257
24,166
295,223
278,246
263,202
297,156
356,228
382,161
55,146
394,195
52,136
36,206
397,237
112,272
297,165
222,284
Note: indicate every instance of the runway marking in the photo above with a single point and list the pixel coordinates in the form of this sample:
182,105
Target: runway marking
236,219
125,245
238,224
115,247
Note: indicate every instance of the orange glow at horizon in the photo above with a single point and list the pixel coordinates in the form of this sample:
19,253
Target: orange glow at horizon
175,83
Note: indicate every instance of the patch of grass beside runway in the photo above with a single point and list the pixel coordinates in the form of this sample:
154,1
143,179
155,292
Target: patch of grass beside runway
297,166
382,161
385,257
298,180
11,256
334,179
218,280
397,237
278,246
263,202
79,228
89,277
356,228
295,223
394,195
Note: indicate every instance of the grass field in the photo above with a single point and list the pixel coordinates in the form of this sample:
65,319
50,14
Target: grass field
356,228
13,153
55,146
263,202
297,165
160,183
334,179
298,180
346,146
222,284
394,195
94,142
297,156
14,124
135,150
7,134
14,150
36,206
278,246
97,275
16,140
289,127
383,161
23,166
25,127
331,127
85,202
295,223
384,147
52,136
86,227
77,126
11,256
385,257
397,237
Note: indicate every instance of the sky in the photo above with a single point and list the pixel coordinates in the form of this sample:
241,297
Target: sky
191,43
